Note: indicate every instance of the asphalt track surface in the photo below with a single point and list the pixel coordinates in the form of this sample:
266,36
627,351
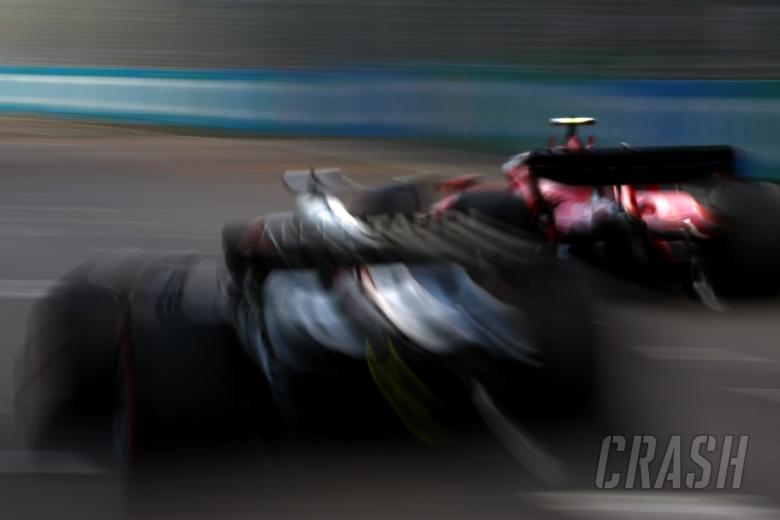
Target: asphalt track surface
71,191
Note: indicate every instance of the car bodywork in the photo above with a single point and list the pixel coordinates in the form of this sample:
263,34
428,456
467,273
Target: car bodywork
322,320
678,212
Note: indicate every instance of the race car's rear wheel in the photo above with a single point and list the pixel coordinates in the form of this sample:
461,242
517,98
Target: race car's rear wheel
744,260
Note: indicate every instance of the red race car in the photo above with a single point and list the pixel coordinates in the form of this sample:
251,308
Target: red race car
677,213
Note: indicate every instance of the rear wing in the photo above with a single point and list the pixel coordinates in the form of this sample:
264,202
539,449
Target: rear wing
621,166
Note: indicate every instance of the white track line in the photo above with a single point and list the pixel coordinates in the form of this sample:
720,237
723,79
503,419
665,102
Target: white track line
606,505
697,354
769,394
32,462
58,221
43,207
25,289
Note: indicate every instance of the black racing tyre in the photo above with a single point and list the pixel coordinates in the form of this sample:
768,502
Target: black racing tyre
627,249
744,259
183,380
123,354
64,374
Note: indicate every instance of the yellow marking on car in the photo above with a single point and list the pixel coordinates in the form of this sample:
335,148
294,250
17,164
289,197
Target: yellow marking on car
411,400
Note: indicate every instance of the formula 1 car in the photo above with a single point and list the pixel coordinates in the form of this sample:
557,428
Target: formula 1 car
678,213
321,321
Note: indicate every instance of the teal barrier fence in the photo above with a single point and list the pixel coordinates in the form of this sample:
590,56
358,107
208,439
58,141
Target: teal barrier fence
468,104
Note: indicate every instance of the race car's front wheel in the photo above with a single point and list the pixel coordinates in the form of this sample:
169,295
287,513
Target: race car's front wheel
130,359
65,371
183,381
